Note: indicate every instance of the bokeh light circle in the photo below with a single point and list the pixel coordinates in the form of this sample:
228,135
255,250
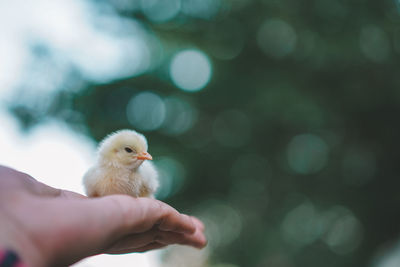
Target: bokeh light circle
171,176
190,70
180,116
146,111
374,43
223,222
337,227
307,154
300,225
276,38
345,231
204,9
160,10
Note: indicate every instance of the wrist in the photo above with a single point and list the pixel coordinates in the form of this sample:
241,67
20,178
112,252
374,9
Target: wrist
16,239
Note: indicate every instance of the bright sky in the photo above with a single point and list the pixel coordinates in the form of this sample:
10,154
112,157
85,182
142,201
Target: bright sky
102,46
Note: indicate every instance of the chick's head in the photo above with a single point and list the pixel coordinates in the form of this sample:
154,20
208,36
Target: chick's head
124,148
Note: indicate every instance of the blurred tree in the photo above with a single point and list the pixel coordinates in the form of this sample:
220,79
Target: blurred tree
289,151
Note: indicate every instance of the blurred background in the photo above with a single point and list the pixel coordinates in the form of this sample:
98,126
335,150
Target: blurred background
274,121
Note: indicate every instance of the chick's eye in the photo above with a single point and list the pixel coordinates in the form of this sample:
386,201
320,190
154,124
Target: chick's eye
127,149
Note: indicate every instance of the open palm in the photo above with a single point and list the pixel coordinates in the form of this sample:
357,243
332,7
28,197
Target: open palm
49,226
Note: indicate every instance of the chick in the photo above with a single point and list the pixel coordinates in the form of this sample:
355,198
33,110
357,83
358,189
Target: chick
122,167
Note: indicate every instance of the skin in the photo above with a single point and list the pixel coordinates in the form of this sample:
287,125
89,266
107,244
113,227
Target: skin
53,227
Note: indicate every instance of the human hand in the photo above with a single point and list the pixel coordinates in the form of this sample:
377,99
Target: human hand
48,226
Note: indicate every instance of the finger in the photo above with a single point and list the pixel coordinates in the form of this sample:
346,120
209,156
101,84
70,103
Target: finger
155,235
134,241
197,239
151,246
168,238
168,218
198,223
137,215
176,222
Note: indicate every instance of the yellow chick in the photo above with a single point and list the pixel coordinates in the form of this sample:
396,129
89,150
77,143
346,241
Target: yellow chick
122,167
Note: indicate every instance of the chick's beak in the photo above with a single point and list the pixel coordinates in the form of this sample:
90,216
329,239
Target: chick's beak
144,156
